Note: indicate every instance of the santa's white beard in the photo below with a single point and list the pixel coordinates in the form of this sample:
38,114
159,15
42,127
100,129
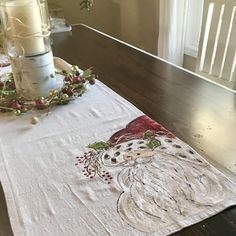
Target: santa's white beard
167,189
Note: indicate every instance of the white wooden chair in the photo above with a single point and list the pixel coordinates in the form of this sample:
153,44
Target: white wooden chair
217,49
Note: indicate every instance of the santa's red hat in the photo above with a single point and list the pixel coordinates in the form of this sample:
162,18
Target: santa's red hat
136,130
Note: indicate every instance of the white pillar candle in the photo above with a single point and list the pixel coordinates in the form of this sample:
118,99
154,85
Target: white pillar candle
26,26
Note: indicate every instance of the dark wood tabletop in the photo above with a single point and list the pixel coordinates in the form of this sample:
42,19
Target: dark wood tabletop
199,112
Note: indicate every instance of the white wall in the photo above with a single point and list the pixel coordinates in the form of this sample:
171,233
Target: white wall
133,21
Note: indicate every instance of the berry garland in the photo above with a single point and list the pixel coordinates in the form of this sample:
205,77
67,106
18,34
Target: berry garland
86,4
74,86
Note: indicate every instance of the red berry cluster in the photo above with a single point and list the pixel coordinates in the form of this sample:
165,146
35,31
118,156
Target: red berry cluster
40,103
75,80
86,156
19,107
106,176
90,169
89,172
81,159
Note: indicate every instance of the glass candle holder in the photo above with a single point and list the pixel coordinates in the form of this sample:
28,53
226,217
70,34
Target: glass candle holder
26,39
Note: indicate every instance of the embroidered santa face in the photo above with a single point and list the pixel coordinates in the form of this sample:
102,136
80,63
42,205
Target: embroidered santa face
161,177
138,143
134,144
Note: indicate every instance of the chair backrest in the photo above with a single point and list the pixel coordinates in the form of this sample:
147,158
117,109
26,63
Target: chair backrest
217,48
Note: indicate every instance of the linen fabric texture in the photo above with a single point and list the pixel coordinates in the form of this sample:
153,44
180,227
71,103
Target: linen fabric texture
99,166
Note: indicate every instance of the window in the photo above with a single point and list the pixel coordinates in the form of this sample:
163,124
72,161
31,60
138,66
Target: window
193,27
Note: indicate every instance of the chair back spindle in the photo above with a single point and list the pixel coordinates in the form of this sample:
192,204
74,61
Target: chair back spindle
217,49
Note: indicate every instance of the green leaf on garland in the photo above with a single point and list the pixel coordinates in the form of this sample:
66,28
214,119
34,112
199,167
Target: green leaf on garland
154,143
8,92
148,134
87,73
99,146
86,4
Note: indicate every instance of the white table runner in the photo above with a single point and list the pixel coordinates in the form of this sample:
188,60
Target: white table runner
135,179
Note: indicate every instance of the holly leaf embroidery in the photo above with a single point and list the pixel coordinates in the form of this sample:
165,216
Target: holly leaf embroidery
99,146
153,143
148,134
